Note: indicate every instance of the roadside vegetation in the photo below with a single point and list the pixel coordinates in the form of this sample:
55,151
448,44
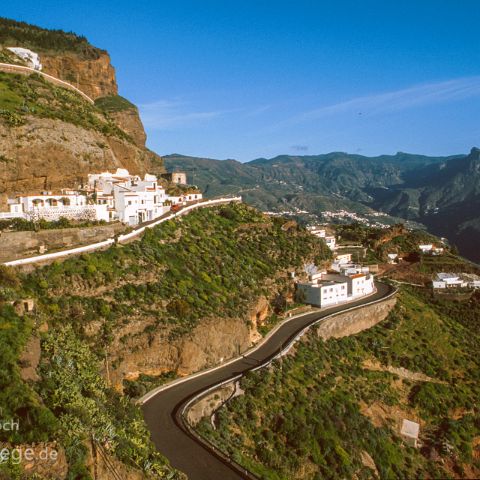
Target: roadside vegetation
333,409
22,225
327,409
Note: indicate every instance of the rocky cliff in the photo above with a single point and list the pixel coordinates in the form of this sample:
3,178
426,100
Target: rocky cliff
64,55
50,154
95,77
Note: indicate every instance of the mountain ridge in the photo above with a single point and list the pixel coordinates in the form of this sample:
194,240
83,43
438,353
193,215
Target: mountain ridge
440,192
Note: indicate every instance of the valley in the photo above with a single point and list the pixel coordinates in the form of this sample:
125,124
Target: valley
440,193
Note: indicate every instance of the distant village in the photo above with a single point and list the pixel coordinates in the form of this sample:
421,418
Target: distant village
108,197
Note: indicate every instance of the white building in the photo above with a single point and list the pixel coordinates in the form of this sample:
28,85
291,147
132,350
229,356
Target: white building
50,207
31,58
324,293
343,258
361,284
107,196
327,289
448,280
392,257
129,198
317,231
410,432
456,280
331,242
426,248
431,249
322,233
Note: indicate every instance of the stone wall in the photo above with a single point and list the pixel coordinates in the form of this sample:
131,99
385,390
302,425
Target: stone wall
14,245
342,325
350,323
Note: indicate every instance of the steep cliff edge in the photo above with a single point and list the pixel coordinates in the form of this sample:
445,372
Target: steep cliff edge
125,115
94,76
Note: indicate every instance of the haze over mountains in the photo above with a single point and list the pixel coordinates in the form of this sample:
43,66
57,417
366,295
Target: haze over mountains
443,193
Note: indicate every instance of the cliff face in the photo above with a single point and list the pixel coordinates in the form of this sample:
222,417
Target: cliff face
95,77
50,154
129,121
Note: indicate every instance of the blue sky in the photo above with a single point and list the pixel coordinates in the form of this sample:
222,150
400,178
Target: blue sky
247,79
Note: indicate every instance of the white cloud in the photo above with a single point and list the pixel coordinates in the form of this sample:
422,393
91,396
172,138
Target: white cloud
416,96
167,115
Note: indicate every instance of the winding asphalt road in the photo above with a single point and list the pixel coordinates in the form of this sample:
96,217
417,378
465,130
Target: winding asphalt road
163,411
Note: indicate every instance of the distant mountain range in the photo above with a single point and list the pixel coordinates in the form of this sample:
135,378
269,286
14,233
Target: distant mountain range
442,193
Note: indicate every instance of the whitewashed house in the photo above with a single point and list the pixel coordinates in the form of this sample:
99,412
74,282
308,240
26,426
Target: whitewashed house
410,432
331,242
392,258
456,280
107,196
448,280
343,258
325,289
51,207
431,249
322,233
132,199
361,284
317,231
426,248
323,293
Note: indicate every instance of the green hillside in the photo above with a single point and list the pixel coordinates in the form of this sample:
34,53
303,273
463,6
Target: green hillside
21,96
333,409
441,193
213,262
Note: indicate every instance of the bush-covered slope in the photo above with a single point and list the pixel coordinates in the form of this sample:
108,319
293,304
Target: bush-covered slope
333,409
14,33
52,138
96,311
22,95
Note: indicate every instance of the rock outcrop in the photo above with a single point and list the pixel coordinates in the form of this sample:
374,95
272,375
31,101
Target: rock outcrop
49,154
95,77
129,121
211,342
51,138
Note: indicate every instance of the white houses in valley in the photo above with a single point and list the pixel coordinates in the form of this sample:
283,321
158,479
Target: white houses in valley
107,196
